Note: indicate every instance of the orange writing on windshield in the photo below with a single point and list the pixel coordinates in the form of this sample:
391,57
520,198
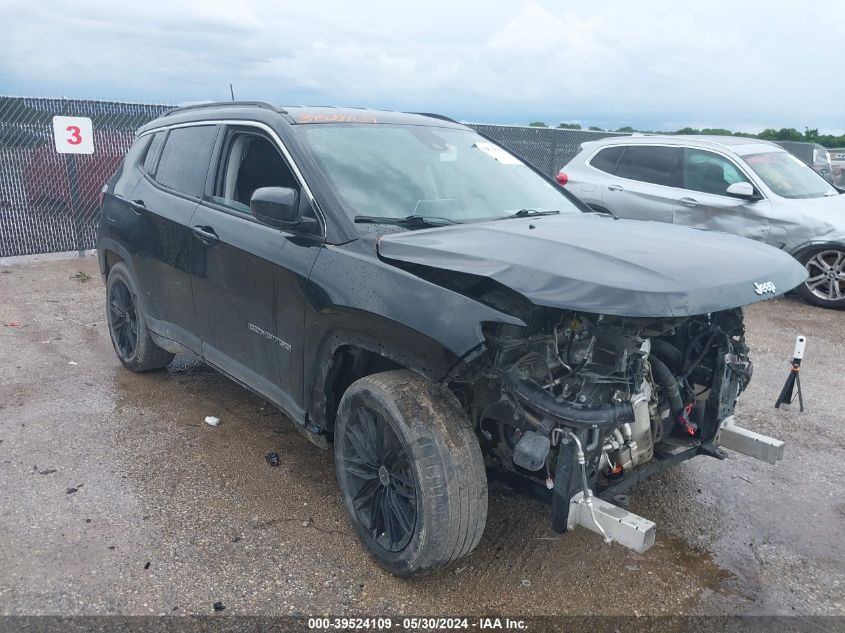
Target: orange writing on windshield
336,118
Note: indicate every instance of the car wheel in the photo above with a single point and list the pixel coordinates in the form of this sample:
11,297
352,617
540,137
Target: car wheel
127,326
410,471
825,285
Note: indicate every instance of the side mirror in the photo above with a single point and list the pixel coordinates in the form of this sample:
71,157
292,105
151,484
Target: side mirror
276,206
741,190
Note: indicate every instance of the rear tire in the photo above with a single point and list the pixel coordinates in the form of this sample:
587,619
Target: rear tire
127,324
825,286
411,472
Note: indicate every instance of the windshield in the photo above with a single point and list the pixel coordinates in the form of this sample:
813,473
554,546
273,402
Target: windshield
395,171
787,176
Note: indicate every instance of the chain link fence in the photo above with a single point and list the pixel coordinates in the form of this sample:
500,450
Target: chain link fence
49,201
547,149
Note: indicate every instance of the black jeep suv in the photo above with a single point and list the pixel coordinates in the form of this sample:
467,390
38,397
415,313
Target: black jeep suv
413,294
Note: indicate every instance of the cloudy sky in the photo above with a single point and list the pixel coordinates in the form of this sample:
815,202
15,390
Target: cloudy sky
652,64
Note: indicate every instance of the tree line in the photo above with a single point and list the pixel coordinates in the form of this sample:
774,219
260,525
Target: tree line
809,135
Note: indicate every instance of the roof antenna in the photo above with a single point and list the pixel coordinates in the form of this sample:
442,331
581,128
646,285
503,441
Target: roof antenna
232,92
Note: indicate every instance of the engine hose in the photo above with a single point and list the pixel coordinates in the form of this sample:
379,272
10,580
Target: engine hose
668,353
588,494
706,348
602,416
663,375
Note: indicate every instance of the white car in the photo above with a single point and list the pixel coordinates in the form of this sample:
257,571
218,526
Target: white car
733,184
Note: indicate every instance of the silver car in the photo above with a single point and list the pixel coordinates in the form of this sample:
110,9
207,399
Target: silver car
837,166
811,154
732,184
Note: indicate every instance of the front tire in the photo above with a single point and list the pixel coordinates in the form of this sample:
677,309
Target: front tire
411,472
825,286
127,325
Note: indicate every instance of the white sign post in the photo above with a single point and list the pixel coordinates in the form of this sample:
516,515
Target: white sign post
73,134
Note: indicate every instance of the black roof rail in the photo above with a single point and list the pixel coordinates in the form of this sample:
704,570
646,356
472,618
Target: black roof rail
222,104
442,117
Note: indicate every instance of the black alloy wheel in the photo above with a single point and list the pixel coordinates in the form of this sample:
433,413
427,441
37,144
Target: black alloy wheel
133,342
410,471
123,320
382,484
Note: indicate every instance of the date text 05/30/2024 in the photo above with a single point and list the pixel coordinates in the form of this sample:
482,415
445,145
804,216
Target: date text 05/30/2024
410,624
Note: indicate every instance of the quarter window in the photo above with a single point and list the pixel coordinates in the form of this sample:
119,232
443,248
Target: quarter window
184,160
654,164
251,161
708,172
152,153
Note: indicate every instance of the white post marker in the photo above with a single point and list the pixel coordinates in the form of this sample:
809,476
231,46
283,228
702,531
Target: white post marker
793,381
800,345
73,134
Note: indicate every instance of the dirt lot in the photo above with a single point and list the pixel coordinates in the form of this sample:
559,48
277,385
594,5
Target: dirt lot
116,497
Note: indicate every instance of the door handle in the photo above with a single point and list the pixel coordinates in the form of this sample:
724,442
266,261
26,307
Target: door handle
690,202
137,206
206,235
615,187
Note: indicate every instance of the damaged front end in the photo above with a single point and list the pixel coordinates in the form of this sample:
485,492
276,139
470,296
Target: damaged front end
587,404
629,359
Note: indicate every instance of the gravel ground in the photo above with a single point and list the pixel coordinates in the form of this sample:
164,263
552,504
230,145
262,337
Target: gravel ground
117,498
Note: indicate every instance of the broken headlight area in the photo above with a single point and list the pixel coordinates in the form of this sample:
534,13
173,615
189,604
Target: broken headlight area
581,403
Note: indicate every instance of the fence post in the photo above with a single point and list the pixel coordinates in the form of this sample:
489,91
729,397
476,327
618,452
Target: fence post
75,204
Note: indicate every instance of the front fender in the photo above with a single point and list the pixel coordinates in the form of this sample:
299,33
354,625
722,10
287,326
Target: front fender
800,251
371,333
357,299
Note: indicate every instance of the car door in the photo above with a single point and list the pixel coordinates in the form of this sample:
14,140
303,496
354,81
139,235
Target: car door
589,181
163,203
250,279
705,204
645,184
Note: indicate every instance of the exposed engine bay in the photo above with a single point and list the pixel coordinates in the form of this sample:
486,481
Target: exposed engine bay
580,402
596,372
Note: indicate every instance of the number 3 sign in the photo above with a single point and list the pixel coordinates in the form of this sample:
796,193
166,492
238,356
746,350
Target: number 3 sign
73,135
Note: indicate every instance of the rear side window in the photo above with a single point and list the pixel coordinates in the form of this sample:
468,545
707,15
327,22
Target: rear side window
607,159
657,165
184,160
152,153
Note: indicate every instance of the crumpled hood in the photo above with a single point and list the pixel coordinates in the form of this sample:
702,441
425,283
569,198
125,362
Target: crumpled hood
593,263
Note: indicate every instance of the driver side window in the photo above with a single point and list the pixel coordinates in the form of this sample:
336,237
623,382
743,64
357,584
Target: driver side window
251,161
708,172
